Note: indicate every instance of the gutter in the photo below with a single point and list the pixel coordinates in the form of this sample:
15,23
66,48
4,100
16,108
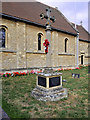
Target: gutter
84,40
64,31
34,23
21,19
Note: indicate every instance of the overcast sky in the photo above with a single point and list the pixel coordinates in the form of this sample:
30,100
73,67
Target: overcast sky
74,10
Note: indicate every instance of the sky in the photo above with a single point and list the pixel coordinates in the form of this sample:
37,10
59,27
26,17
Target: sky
74,10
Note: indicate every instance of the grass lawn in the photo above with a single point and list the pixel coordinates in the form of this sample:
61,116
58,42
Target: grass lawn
18,103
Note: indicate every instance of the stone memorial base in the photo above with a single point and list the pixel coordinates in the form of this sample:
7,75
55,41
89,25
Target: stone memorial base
54,94
49,86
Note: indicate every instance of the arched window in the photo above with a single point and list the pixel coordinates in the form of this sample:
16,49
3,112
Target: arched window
66,45
2,37
39,41
82,59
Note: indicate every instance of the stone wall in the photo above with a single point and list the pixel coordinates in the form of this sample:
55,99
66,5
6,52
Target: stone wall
9,57
60,57
23,39
9,60
32,38
83,50
36,60
66,60
22,47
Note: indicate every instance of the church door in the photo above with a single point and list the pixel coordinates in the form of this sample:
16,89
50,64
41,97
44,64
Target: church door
82,59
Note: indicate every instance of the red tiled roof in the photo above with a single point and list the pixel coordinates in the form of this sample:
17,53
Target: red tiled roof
31,11
83,34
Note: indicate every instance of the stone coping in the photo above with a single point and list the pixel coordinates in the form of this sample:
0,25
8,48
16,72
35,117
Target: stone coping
49,74
6,50
66,54
45,90
33,68
36,52
87,56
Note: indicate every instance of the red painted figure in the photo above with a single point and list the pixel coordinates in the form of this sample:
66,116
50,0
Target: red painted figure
46,43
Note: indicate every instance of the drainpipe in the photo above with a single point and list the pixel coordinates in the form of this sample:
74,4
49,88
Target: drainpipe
77,50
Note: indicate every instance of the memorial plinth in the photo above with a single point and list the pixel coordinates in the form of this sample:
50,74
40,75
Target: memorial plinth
49,80
49,87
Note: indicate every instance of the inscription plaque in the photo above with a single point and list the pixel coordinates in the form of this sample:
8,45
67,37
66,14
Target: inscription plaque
75,75
42,81
55,81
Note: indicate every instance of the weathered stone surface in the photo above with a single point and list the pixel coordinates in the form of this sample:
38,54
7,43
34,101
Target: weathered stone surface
54,94
84,50
50,74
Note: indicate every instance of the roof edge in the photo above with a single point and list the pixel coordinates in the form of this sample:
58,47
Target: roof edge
67,20
84,40
73,34
20,19
34,23
85,29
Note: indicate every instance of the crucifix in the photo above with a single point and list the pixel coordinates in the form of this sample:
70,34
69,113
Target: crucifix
48,34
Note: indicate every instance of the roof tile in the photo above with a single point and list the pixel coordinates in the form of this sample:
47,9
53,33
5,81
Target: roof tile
31,11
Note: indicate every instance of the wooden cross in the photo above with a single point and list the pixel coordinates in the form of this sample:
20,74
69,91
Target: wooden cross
48,34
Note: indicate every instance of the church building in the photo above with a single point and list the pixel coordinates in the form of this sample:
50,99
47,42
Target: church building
22,33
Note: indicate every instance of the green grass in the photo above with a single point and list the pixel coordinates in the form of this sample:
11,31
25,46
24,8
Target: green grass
18,103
